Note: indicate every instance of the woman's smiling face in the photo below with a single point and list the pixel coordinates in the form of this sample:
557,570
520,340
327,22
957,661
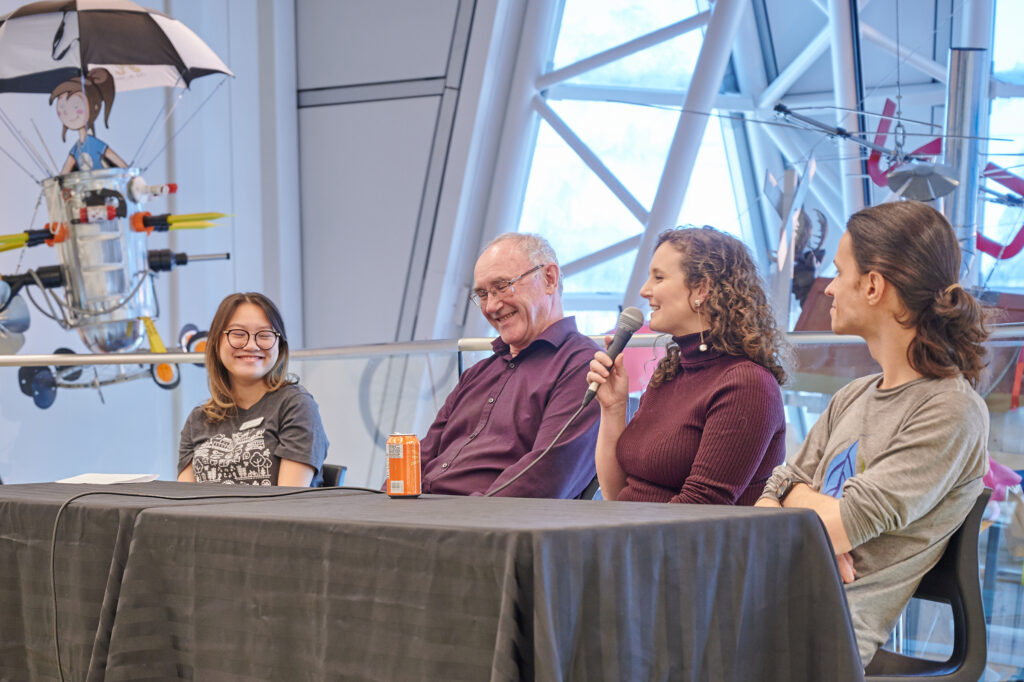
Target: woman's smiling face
249,364
673,307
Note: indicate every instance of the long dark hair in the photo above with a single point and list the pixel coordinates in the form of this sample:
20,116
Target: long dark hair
915,249
741,319
221,404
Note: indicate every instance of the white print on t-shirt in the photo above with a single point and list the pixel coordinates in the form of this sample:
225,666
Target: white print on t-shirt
242,457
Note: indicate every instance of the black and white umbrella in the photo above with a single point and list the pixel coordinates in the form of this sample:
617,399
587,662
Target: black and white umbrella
45,43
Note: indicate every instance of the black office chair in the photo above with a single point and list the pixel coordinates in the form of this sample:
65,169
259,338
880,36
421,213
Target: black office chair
334,475
591,490
954,581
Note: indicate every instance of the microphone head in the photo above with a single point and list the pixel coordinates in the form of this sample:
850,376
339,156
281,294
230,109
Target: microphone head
631,319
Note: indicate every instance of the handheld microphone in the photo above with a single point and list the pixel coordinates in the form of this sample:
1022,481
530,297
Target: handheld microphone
630,320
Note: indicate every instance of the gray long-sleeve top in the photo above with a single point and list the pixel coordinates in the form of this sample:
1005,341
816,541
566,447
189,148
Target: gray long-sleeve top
907,464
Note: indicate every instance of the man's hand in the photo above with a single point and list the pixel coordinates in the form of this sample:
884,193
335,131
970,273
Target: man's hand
846,569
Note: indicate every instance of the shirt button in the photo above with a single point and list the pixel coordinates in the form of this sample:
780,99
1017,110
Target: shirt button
445,465
490,400
511,365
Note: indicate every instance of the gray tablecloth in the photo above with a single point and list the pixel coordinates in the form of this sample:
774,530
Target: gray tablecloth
352,585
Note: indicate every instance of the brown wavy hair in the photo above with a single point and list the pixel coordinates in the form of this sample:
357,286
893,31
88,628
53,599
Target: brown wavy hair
915,249
221,404
741,319
98,92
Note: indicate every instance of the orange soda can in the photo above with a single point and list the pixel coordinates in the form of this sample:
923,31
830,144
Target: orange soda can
403,450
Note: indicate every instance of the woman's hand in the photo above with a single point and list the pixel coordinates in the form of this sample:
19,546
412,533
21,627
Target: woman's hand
846,570
612,380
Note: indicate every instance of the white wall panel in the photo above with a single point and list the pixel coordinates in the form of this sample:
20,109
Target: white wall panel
346,42
363,168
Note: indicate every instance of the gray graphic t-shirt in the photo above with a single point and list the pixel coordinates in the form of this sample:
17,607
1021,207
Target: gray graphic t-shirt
248,447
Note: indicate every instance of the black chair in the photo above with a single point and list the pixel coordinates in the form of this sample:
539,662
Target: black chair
591,490
954,581
334,475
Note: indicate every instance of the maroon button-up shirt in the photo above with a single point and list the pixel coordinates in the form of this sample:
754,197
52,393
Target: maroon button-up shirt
505,410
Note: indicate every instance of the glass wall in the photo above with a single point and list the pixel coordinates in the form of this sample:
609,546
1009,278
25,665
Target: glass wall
621,112
1004,221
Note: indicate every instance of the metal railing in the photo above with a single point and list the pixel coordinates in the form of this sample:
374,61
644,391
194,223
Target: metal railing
1008,333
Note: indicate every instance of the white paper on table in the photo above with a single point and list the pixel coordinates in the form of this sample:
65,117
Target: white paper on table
104,479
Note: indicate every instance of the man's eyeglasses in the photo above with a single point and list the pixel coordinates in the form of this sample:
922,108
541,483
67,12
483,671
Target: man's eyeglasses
500,287
239,338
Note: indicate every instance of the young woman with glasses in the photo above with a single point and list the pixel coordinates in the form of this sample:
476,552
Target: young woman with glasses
711,425
259,427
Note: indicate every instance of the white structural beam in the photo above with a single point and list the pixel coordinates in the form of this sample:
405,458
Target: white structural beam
1001,88
606,254
624,50
682,154
924,94
770,96
978,24
751,79
928,67
845,74
588,157
821,188
519,130
800,64
659,97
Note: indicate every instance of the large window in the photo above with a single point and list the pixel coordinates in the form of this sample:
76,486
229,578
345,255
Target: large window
622,112
1002,223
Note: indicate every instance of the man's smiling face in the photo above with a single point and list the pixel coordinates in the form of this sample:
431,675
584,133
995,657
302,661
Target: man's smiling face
523,311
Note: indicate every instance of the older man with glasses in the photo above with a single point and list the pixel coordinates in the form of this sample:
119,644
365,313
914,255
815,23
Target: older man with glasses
509,407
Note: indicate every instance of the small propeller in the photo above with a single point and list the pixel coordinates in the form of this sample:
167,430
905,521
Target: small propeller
40,384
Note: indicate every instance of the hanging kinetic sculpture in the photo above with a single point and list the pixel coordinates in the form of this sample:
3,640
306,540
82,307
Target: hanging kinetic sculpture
81,54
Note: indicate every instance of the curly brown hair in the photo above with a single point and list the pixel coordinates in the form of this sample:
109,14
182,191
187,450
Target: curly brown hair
741,319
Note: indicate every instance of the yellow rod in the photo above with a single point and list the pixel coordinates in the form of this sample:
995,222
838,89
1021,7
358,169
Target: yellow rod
190,217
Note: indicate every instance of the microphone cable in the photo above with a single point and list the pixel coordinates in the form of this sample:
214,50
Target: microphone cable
630,320
529,466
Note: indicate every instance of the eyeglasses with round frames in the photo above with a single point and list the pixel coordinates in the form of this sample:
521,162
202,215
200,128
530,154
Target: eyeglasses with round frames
239,338
500,287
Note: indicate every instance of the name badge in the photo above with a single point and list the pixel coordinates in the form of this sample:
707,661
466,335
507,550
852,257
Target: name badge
251,423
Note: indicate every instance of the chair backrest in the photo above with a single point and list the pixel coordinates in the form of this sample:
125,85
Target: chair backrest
334,475
591,490
953,580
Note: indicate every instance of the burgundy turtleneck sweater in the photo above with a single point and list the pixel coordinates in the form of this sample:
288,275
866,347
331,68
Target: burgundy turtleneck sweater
711,435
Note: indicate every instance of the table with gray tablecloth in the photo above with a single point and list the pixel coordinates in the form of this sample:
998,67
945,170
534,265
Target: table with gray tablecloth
342,584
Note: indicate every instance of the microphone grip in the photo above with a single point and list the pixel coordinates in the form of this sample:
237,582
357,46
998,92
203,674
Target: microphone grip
622,337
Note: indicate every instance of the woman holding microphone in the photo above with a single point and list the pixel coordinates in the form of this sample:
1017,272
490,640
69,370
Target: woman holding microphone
710,427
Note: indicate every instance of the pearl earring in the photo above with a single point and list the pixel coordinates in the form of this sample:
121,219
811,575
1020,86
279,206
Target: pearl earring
703,347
